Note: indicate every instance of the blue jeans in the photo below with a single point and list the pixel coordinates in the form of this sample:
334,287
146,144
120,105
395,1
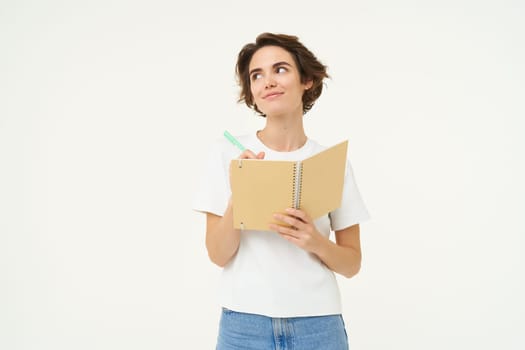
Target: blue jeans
252,332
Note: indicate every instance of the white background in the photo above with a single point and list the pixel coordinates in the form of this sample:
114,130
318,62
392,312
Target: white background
107,109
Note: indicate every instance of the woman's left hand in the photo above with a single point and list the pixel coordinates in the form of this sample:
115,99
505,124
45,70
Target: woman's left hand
299,229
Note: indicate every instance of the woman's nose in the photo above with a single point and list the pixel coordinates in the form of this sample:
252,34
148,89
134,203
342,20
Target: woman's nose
270,82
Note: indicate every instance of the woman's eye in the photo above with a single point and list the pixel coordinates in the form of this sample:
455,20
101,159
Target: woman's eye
281,69
256,76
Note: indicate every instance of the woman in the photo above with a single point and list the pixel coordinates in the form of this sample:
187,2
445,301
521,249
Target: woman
278,289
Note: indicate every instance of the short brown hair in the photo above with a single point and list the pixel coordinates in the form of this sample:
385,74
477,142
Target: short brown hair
310,69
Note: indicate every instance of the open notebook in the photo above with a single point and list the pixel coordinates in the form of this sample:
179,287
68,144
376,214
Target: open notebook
261,188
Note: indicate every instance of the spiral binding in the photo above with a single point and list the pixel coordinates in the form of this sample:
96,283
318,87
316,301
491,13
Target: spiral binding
298,177
299,189
294,179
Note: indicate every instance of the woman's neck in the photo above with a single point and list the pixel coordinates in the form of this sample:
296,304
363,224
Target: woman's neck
283,134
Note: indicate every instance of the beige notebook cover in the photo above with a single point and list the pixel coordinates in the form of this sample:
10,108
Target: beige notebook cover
261,188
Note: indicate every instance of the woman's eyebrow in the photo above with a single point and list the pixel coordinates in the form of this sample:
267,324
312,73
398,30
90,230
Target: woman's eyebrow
281,63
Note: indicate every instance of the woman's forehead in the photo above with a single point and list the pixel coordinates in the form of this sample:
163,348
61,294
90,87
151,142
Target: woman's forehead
268,55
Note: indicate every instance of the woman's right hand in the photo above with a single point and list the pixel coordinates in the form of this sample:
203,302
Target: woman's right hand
247,154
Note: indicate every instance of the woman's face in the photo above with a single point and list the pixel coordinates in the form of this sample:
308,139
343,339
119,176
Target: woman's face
275,82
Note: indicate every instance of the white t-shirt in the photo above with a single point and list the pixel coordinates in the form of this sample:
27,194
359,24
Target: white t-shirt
269,275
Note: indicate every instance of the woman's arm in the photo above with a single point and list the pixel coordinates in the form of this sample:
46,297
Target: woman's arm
222,240
343,257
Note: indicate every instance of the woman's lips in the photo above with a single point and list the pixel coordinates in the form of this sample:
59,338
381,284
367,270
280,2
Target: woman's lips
272,95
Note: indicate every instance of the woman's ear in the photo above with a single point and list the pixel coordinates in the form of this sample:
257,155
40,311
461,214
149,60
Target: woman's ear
309,84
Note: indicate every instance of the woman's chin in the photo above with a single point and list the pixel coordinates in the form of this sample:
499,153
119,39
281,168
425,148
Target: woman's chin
276,112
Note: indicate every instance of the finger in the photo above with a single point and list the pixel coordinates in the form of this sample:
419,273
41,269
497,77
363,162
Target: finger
260,155
285,231
290,220
247,154
298,213
292,239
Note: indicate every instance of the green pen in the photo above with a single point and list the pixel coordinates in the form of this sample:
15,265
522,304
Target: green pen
234,141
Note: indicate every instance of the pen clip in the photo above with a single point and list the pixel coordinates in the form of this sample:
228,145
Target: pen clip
240,163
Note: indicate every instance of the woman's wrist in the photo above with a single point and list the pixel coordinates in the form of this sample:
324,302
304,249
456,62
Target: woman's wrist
322,247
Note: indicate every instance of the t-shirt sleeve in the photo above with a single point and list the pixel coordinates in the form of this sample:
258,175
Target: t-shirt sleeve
213,188
352,210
